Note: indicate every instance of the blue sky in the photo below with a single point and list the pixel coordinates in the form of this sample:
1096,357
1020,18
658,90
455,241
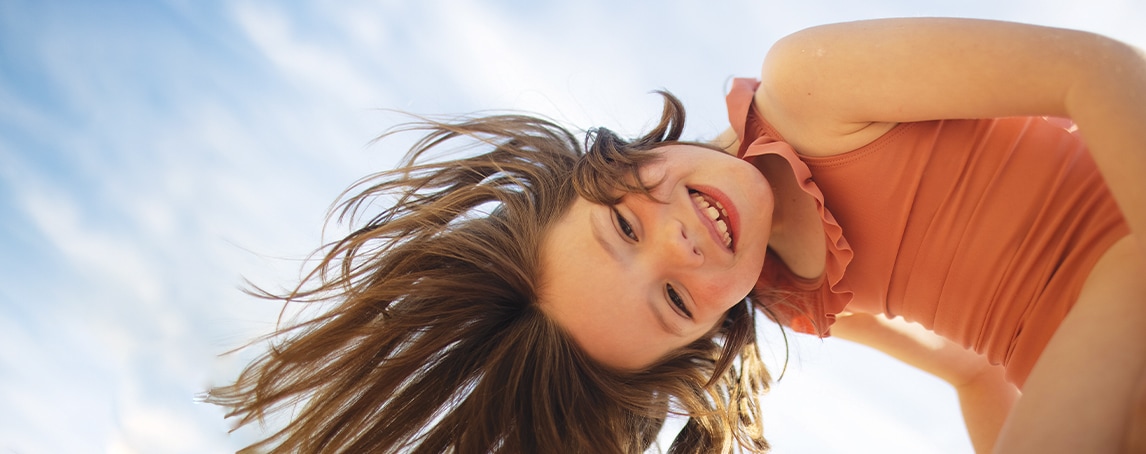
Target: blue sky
153,154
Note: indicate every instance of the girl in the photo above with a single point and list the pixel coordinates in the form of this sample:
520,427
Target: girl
534,298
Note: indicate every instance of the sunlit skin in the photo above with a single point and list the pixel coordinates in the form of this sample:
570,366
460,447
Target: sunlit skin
610,273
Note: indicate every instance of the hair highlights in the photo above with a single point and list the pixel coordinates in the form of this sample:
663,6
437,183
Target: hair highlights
434,341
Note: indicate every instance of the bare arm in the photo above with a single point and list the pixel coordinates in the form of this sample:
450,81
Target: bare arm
984,396
833,88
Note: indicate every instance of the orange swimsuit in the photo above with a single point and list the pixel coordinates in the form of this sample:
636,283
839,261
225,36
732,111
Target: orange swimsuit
981,230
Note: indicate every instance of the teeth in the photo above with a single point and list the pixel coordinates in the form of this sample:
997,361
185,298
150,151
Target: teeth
715,213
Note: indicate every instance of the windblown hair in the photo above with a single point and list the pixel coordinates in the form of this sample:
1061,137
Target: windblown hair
434,340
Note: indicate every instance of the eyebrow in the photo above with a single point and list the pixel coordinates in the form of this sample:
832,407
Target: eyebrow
612,251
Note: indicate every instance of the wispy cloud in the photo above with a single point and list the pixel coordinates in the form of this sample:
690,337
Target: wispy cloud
152,156
109,256
314,65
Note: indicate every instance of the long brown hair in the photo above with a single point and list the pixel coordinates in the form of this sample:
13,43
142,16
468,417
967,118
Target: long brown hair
435,342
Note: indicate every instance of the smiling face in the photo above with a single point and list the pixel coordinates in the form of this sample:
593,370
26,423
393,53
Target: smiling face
635,281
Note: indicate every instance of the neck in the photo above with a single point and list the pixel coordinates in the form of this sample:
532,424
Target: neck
797,231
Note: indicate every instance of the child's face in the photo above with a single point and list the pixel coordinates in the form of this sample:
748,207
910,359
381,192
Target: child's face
632,283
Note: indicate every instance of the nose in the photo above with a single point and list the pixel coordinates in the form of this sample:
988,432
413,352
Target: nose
678,246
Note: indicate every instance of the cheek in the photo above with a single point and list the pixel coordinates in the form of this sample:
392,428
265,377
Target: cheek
724,291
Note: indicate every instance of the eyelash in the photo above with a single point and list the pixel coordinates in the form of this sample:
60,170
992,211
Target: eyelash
673,296
677,301
625,226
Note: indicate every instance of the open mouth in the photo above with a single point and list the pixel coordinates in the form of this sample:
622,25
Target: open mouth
716,213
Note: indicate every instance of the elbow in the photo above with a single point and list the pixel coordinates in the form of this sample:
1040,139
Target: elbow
1111,70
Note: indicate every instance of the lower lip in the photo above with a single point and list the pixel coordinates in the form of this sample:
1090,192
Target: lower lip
733,215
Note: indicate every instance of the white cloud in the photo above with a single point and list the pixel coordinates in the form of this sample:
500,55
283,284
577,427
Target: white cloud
838,396
169,167
113,256
146,427
319,67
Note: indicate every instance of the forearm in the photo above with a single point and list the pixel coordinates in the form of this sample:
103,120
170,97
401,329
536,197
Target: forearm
912,344
985,396
986,400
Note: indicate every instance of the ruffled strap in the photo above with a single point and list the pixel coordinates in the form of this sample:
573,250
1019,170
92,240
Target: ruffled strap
816,303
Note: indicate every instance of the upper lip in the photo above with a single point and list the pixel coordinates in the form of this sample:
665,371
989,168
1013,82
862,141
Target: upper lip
732,218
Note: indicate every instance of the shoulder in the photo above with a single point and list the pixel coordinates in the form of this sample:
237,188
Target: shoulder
792,100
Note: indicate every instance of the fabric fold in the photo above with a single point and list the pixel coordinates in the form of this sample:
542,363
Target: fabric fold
807,305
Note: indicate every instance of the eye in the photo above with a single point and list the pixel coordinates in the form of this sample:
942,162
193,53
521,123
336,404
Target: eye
676,300
623,223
